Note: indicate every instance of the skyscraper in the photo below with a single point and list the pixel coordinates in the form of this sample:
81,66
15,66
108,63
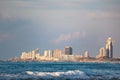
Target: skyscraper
68,50
109,48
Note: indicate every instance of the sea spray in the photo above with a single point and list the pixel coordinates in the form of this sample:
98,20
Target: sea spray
68,74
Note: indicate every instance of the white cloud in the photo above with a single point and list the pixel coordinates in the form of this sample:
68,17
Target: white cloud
68,37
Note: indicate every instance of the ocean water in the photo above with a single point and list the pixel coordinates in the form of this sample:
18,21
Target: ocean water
59,71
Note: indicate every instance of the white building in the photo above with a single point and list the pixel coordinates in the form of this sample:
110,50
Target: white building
48,53
109,48
86,55
102,53
30,55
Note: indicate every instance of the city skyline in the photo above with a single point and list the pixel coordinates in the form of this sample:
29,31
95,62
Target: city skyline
105,54
85,25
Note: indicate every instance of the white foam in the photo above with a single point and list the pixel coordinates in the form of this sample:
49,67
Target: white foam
72,75
9,75
67,74
6,76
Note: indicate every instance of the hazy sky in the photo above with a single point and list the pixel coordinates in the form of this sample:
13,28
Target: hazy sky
52,24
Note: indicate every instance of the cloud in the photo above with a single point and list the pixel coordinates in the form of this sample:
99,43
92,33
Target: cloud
76,35
5,37
103,15
68,37
55,11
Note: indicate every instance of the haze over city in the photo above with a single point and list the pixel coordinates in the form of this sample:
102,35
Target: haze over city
85,25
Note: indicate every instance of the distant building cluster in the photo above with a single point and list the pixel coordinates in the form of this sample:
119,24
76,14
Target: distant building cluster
67,54
51,55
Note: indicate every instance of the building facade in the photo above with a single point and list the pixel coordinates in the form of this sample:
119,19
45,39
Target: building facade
86,55
68,50
109,48
30,55
102,53
57,53
48,53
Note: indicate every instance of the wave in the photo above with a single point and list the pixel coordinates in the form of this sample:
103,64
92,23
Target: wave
64,75
68,74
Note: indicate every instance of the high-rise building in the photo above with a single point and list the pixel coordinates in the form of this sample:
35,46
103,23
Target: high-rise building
102,53
30,55
109,48
86,55
48,53
57,53
68,50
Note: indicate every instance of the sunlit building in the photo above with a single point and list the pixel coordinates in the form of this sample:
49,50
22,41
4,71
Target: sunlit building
23,55
30,55
86,55
109,48
102,53
57,53
48,53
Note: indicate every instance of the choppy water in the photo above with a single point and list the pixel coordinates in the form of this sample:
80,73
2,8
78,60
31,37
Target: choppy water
59,71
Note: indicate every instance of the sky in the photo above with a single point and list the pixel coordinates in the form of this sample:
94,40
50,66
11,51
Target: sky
53,24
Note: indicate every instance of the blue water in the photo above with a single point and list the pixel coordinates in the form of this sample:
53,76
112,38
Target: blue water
59,71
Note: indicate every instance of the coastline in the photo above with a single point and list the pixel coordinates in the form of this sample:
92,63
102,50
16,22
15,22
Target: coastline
99,60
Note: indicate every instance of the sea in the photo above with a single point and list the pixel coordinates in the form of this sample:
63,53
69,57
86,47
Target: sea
59,71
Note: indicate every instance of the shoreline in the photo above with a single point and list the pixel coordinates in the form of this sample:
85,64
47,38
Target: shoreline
101,60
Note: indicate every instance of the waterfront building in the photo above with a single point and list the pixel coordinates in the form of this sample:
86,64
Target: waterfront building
102,53
57,53
30,55
86,55
109,48
48,53
23,55
68,50
37,56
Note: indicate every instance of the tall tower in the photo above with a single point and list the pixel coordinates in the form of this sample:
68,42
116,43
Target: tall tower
109,48
68,50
